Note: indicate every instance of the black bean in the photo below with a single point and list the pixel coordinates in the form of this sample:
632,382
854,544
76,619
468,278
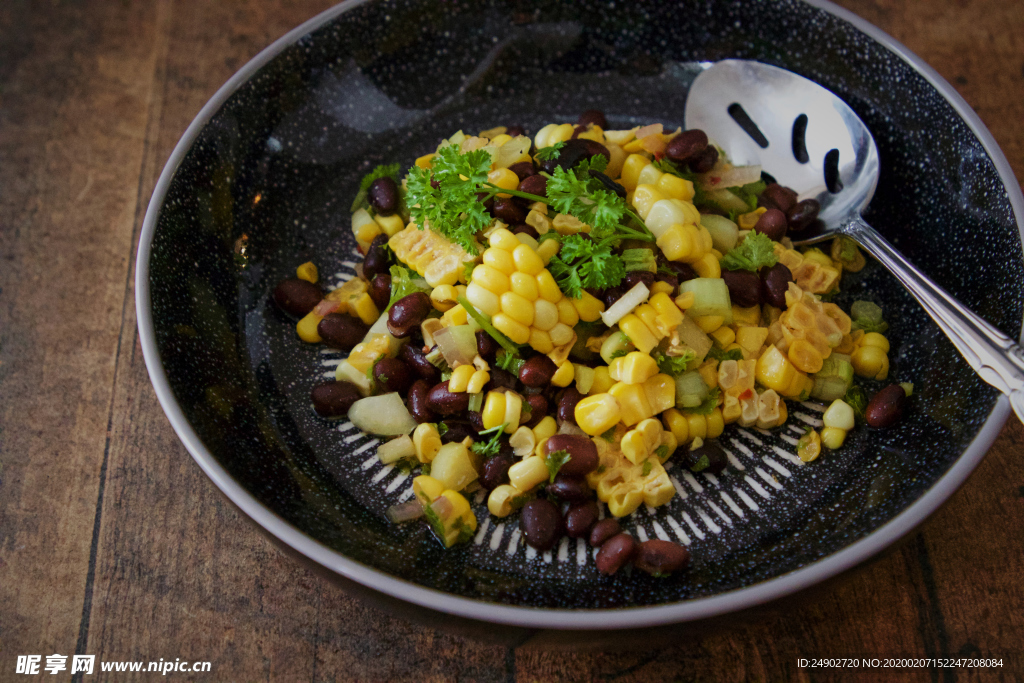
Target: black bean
341,331
580,519
525,229
418,402
414,357
704,161
613,294
476,421
671,280
383,196
333,399
886,407
582,453
534,184
391,374
592,116
376,259
501,379
508,211
594,148
541,523
407,314
515,131
380,290
570,489
575,151
537,371
777,196
717,460
445,402
567,405
603,530
297,297
486,346
687,144
773,224
523,169
744,287
456,431
661,558
635,277
774,283
609,184
684,271
614,553
494,472
802,214
538,409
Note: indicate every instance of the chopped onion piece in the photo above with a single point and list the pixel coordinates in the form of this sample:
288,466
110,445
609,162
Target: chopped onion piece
655,144
652,129
385,415
442,506
457,344
626,303
403,512
396,449
325,307
567,427
731,177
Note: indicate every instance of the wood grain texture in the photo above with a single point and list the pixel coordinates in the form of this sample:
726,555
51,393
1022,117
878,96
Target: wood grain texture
114,543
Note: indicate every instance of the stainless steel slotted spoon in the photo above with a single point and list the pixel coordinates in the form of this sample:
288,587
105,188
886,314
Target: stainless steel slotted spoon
813,142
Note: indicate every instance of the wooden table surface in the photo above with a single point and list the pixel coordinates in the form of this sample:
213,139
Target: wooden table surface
114,543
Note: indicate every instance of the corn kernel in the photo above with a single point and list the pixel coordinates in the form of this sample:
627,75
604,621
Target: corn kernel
674,187
545,315
427,489
561,334
746,221
632,401
641,336
598,413
460,379
709,323
832,438
503,239
707,266
547,249
633,368
306,328
505,179
564,375
631,168
514,330
588,307
839,415
425,161
541,341
649,175
485,301
870,361
644,197
625,502
365,233
661,392
427,442
547,287
724,336
602,381
527,260
493,413
809,446
443,297
715,425
676,243
500,260
456,315
517,308
477,382
567,314
307,271
528,473
390,225
805,357
499,501
524,285
513,411
491,279
875,339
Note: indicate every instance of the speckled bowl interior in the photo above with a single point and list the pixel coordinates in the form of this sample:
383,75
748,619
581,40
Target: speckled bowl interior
274,163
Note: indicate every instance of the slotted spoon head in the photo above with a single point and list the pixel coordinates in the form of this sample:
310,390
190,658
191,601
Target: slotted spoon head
802,134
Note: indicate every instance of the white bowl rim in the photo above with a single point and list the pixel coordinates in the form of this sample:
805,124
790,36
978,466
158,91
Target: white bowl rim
551,618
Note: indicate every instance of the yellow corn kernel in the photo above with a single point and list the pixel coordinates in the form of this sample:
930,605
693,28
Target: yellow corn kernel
564,375
517,308
499,502
809,446
674,187
869,361
459,524
709,323
484,300
588,307
815,255
561,334
491,279
547,249
505,179
661,287
746,317
714,424
631,168
707,266
365,233
748,220
598,413
661,392
638,444
547,287
528,473
633,403
875,339
390,225
541,341
832,437
427,489
675,422
456,315
500,260
633,368
503,239
641,336
527,260
524,285
427,442
511,328
602,381
709,373
805,357
493,414
649,316
775,371
443,297
751,339
724,336
364,307
307,271
307,328
460,379
839,414
545,429
685,300
477,382
677,242
539,222
625,502
513,411
644,197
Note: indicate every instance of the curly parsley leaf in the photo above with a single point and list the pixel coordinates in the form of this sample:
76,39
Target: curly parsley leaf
750,192
554,462
661,452
583,198
490,447
509,362
582,262
387,171
757,251
405,282
549,153
720,355
673,365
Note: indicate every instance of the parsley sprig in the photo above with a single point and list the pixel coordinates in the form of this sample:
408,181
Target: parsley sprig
757,251
491,446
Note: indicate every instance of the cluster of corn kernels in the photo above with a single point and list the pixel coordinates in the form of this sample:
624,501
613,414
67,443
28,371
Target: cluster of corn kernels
454,516
745,333
466,379
433,256
640,392
813,271
651,322
502,408
776,371
808,330
513,287
687,426
624,485
870,356
742,402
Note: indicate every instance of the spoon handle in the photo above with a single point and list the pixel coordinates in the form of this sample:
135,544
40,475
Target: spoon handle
994,356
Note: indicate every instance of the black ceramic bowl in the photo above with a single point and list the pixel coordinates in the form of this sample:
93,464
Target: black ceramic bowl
263,179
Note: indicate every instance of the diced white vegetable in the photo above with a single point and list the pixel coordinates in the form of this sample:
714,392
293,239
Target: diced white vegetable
838,415
453,467
381,327
346,373
626,303
724,233
512,151
385,415
736,176
396,449
457,344
711,297
691,390
522,442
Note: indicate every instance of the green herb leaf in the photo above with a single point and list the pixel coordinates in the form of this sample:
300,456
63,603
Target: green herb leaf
639,259
585,199
485,322
509,362
619,353
609,435
435,521
405,282
709,404
668,166
673,365
519,501
490,447
549,153
647,468
870,325
750,192
720,354
857,400
662,452
702,464
425,468
554,462
757,251
582,262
